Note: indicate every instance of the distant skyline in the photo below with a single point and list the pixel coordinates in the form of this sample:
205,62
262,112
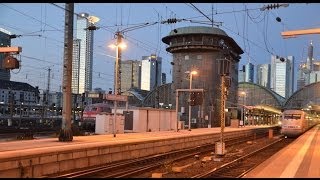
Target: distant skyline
257,32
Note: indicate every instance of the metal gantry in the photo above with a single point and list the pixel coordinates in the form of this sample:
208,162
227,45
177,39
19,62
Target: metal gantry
177,101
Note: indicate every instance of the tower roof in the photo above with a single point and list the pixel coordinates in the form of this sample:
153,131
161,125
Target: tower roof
182,31
198,30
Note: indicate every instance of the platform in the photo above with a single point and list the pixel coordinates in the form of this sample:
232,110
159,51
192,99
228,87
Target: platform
300,159
40,157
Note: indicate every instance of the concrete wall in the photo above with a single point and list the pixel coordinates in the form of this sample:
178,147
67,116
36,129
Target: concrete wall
104,124
152,119
44,161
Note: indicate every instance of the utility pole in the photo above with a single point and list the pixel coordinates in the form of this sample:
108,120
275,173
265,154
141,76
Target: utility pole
117,72
48,85
117,80
11,101
117,75
224,69
222,112
66,131
47,94
154,58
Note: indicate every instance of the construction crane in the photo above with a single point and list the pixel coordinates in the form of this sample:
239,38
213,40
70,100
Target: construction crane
295,33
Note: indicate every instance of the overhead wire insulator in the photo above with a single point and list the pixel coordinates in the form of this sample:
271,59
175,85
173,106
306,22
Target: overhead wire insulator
173,20
273,6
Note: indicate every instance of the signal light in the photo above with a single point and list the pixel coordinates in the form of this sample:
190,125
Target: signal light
196,98
192,99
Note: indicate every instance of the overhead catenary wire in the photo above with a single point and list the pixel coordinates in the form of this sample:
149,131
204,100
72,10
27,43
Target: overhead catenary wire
138,25
226,12
201,12
30,17
41,30
247,39
163,51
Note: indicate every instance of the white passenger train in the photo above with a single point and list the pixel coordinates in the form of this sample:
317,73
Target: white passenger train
296,122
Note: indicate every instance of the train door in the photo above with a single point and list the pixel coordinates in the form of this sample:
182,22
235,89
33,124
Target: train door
128,120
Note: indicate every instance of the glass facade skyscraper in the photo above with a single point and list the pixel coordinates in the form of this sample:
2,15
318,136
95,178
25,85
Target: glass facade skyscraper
263,75
249,71
282,75
75,66
84,60
241,74
246,73
150,72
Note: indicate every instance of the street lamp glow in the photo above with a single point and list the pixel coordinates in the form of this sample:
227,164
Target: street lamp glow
93,19
112,46
194,72
121,45
243,93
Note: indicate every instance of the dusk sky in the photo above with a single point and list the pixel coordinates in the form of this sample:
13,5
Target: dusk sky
256,32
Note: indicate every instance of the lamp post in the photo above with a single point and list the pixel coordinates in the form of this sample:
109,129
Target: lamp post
3,107
243,94
119,45
190,87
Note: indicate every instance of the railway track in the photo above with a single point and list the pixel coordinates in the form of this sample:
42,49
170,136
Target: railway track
242,165
133,167
125,168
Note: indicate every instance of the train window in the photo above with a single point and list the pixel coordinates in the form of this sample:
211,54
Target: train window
106,109
292,116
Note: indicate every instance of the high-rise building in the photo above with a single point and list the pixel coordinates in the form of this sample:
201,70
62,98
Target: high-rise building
163,78
242,74
310,57
249,72
282,72
150,72
303,76
75,66
4,42
263,75
85,58
130,74
308,70
314,76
